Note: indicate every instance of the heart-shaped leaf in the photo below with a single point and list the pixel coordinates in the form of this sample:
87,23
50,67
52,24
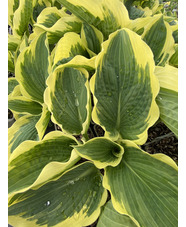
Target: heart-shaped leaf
124,87
68,99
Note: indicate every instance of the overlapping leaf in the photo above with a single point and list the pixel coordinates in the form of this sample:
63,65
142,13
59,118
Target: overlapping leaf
22,17
56,23
92,38
68,99
125,87
12,6
11,67
33,67
106,16
167,101
42,124
158,35
16,91
28,160
68,47
144,186
13,42
23,129
12,83
20,104
110,217
81,62
79,197
174,59
102,151
167,98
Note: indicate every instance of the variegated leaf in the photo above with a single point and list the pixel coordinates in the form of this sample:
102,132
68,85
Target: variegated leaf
68,99
23,105
110,217
22,17
144,186
158,35
33,67
102,151
31,163
23,129
124,87
92,39
80,196
68,47
106,16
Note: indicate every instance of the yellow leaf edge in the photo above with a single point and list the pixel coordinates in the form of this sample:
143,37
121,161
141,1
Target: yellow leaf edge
154,110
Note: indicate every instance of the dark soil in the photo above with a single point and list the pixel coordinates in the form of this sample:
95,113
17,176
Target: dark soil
10,114
161,140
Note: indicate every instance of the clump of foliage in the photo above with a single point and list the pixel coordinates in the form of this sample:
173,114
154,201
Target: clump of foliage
78,64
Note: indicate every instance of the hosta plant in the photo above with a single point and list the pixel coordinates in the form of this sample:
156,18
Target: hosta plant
78,66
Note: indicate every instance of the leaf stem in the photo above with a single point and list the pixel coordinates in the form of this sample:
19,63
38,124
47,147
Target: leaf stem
85,137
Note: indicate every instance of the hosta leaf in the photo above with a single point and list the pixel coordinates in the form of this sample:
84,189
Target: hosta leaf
21,104
33,67
13,42
125,87
12,83
68,47
40,6
139,24
79,197
102,151
174,59
23,129
175,34
47,3
23,43
167,76
81,62
68,99
56,23
106,16
29,161
12,6
167,98
167,101
16,91
158,35
43,122
151,4
110,217
22,17
92,38
136,11
49,16
144,186
11,67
